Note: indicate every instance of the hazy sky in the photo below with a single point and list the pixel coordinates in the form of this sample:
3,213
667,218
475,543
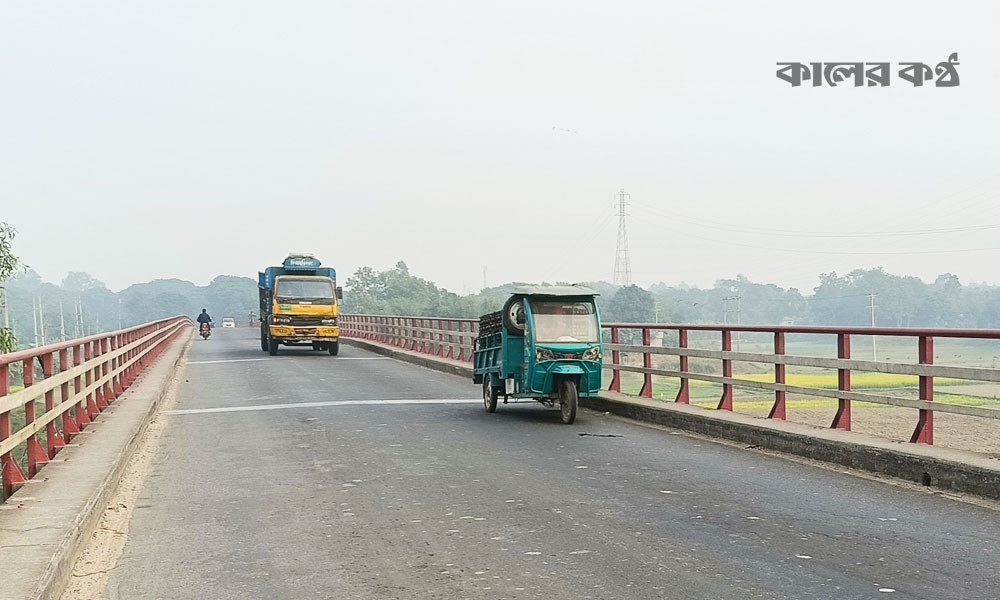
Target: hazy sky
458,135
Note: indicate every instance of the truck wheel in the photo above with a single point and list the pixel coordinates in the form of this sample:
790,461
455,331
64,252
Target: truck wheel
263,339
272,347
333,348
490,394
568,399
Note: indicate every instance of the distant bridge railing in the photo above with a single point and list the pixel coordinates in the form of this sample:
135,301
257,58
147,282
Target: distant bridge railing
452,338
87,374
442,337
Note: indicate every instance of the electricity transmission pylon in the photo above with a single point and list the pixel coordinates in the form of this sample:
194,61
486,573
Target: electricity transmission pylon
623,267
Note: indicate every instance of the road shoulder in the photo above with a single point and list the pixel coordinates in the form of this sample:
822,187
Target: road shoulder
46,524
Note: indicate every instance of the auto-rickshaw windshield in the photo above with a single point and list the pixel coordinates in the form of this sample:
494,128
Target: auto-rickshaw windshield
556,321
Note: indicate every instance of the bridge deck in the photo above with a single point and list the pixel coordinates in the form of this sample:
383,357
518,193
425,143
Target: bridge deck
442,500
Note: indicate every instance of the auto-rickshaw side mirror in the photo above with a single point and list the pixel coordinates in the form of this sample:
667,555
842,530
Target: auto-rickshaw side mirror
340,293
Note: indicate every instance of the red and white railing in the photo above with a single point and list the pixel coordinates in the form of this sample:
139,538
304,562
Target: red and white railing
76,380
445,338
452,338
923,368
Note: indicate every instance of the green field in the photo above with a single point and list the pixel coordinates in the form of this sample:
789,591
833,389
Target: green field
902,386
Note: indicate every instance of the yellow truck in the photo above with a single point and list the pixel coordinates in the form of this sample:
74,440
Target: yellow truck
299,303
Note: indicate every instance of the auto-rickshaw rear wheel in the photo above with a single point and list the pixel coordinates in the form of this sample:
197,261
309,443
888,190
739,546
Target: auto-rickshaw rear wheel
490,394
568,399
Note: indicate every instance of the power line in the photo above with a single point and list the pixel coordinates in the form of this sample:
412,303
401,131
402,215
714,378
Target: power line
821,234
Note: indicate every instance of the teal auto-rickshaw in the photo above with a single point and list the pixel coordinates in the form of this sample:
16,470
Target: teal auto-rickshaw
544,345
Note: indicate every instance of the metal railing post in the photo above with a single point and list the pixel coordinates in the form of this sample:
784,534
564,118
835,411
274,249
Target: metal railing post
82,418
683,392
726,401
53,439
616,382
778,408
106,368
842,420
70,426
11,475
646,391
924,432
35,453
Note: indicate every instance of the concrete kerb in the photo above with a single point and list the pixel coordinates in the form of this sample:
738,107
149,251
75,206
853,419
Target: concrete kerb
47,523
942,468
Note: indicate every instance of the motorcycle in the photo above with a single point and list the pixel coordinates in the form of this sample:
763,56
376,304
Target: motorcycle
206,330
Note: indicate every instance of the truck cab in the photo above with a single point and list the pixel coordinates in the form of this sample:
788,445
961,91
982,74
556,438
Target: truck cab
299,305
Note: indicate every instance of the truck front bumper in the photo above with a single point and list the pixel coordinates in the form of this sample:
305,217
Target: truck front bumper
305,334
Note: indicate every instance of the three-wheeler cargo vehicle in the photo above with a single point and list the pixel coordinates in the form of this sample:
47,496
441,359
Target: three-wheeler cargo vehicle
544,345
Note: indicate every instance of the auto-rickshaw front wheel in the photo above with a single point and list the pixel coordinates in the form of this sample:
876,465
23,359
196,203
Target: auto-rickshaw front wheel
568,399
490,394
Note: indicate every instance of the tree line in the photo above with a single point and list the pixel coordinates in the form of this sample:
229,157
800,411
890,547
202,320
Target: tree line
41,312
899,300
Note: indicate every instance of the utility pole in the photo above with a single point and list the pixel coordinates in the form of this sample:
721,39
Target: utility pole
41,319
6,311
82,324
623,267
62,323
739,318
34,319
485,281
739,315
656,312
872,307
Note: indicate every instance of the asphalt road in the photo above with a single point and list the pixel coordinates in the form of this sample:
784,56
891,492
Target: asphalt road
443,500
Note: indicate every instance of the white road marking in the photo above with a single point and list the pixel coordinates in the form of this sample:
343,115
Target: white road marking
236,360
223,409
231,360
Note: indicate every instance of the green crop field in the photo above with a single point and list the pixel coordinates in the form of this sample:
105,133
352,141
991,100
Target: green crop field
902,386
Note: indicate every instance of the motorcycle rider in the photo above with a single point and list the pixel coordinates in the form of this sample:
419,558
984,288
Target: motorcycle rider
204,318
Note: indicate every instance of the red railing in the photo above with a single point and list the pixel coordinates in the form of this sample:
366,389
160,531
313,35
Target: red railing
923,368
445,338
87,373
452,338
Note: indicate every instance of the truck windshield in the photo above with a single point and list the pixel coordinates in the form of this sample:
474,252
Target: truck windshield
564,321
304,290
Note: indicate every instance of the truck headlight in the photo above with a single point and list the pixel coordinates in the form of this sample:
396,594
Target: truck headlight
592,353
544,354
329,321
279,320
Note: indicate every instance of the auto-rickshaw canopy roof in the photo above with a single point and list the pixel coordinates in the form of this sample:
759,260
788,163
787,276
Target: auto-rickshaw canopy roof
553,290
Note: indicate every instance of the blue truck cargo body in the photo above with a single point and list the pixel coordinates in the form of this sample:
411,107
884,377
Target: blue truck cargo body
265,278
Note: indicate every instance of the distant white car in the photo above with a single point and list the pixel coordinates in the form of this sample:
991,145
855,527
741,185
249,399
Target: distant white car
228,322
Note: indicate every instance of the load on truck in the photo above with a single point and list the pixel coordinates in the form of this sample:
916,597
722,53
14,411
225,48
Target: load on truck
299,305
